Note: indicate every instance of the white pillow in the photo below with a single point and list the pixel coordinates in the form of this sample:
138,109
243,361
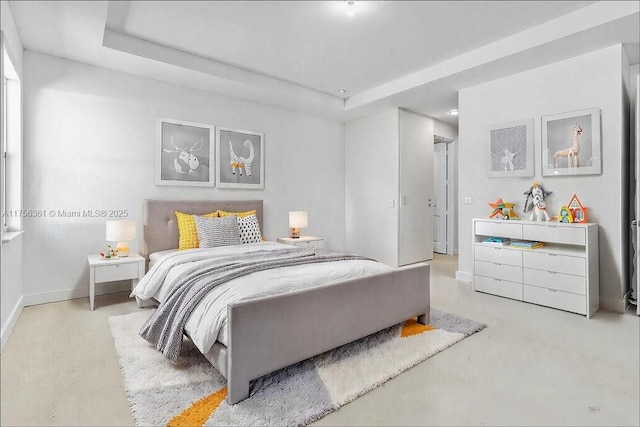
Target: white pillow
249,229
214,232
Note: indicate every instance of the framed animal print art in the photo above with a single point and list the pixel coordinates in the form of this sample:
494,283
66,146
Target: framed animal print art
184,153
510,147
240,158
571,143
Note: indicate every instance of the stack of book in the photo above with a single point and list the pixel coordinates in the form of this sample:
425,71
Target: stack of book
498,241
527,244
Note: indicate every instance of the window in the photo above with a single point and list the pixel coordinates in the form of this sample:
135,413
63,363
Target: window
11,134
4,148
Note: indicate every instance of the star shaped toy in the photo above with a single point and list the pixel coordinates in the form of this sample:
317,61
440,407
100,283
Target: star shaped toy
503,210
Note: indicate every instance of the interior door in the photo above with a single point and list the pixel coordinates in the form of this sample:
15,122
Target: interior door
440,191
415,216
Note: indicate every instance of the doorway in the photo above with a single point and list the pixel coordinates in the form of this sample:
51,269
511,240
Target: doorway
441,200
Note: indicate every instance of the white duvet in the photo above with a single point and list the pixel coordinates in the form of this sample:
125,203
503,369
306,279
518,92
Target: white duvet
208,321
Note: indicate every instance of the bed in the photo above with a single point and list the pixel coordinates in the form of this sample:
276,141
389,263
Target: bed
268,332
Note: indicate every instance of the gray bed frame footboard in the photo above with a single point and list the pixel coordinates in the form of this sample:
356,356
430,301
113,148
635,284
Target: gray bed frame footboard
272,333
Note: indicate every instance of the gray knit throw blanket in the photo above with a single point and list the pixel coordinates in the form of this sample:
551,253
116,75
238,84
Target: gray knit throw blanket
165,327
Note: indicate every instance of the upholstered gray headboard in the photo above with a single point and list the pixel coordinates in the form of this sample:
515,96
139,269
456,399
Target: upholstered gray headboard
160,227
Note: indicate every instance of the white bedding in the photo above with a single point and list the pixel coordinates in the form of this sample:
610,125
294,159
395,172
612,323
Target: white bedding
208,321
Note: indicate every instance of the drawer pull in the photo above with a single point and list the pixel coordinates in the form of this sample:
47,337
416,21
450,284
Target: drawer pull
497,280
553,254
497,263
497,249
552,290
552,272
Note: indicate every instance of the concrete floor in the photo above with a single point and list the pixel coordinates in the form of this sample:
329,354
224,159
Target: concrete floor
531,366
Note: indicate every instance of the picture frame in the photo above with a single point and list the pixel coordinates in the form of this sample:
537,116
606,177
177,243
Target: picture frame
184,153
510,149
240,158
571,143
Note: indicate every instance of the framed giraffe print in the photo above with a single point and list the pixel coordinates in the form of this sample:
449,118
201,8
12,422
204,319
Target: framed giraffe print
240,158
184,153
571,143
510,149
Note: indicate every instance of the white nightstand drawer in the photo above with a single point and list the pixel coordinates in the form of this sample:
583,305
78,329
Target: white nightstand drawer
304,242
110,273
499,254
556,299
319,244
553,233
499,271
499,228
554,262
499,287
557,281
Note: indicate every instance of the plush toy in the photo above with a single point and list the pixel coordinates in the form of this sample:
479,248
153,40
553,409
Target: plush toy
535,202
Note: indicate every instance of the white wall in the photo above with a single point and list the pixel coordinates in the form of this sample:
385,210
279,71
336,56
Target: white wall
372,183
586,81
10,252
89,144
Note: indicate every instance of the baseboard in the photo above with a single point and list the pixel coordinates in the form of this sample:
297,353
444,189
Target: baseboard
8,326
464,276
455,252
68,294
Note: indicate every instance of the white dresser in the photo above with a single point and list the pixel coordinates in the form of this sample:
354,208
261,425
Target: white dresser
563,274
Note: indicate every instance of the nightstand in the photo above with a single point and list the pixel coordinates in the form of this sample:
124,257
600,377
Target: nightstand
304,242
110,270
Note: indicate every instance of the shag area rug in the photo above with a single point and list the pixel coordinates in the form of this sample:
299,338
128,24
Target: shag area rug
161,394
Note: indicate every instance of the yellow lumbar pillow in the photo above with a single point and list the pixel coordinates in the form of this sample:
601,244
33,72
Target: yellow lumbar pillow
240,214
188,234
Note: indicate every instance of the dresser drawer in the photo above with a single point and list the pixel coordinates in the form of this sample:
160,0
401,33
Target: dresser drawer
499,254
110,273
499,271
557,281
554,233
554,262
499,229
318,244
556,299
498,287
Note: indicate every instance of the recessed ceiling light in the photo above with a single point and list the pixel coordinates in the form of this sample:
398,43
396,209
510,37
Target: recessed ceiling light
453,112
350,6
342,91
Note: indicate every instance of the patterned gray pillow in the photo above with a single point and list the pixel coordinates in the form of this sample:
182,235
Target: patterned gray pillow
214,232
249,229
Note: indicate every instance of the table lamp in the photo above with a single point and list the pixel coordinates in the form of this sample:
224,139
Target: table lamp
297,220
121,231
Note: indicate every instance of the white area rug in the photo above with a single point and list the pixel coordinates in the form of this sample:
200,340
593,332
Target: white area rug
161,394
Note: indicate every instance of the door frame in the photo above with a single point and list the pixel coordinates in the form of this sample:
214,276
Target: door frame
452,248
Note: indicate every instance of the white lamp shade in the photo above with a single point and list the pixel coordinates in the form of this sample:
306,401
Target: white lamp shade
121,231
298,219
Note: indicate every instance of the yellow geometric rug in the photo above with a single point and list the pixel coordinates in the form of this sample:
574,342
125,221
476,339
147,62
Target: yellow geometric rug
161,394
